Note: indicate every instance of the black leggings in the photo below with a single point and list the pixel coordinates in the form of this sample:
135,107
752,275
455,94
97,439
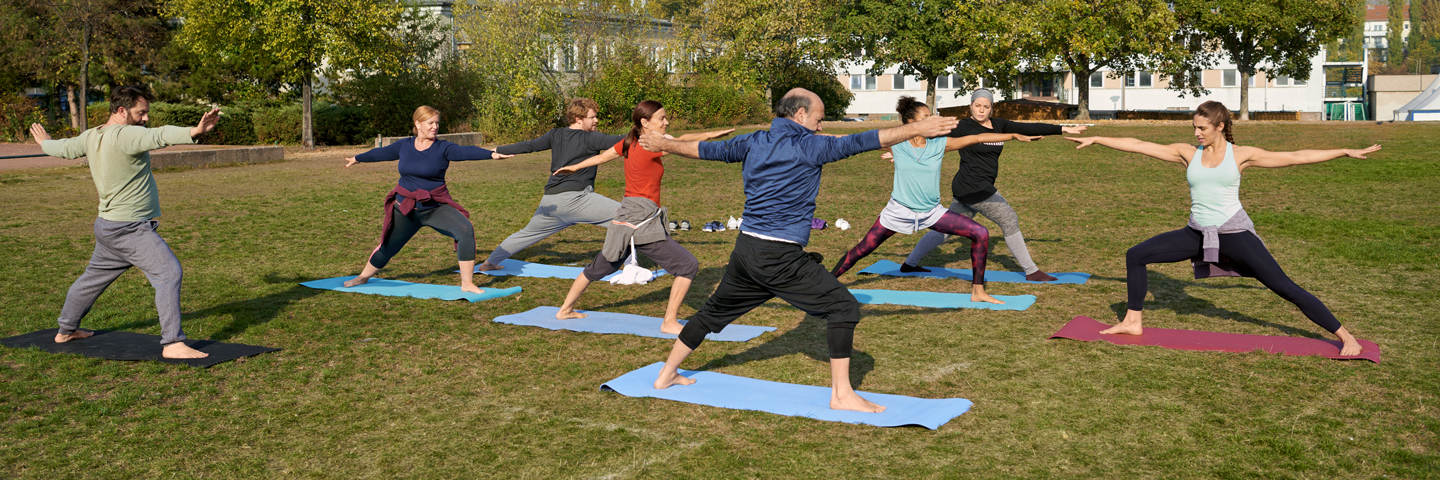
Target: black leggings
1244,249
444,219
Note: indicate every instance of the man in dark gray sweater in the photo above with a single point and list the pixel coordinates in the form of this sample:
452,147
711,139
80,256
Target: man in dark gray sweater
570,199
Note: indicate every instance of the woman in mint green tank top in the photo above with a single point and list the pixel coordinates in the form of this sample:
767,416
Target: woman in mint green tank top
1219,239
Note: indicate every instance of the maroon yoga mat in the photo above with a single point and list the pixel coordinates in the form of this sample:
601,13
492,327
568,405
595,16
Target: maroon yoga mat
1087,329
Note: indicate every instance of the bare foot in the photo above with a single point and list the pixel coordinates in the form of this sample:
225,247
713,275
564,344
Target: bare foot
471,288
674,378
978,295
487,266
569,314
1349,349
853,401
1131,325
181,350
671,327
78,334
356,281
1127,327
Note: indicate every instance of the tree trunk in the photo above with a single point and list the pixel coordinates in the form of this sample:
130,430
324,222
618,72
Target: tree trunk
930,96
84,111
307,134
1082,94
1244,95
74,107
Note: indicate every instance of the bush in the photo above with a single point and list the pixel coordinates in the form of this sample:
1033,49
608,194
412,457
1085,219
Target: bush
17,112
389,101
708,100
333,124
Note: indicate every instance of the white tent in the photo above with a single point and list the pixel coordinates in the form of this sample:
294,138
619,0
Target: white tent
1425,106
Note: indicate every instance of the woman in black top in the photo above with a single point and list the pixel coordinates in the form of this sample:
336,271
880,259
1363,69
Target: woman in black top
974,185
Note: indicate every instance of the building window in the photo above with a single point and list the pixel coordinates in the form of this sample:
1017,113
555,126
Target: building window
1142,79
1097,80
942,82
862,82
1229,78
1191,79
899,83
1282,81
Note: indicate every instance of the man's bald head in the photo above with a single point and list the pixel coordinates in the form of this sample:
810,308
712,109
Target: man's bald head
802,106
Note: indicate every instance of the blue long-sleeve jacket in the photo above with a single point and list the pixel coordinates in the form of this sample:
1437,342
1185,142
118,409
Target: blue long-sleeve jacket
781,170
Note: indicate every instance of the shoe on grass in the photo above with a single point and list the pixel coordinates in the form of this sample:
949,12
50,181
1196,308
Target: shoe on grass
1040,276
908,268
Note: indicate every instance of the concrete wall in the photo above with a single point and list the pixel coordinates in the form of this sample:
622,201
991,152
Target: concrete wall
468,139
1389,92
201,158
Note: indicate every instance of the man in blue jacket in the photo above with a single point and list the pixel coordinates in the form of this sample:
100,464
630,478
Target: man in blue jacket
781,170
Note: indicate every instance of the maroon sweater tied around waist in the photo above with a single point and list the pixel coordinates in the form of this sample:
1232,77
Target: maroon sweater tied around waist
407,204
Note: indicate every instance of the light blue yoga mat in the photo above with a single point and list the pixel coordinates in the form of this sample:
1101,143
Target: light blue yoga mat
940,300
886,267
728,391
539,270
396,288
606,322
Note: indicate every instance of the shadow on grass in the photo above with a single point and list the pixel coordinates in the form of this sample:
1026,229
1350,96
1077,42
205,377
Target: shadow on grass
961,253
1170,293
807,338
249,312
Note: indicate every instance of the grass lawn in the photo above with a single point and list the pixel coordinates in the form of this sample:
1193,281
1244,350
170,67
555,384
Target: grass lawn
371,386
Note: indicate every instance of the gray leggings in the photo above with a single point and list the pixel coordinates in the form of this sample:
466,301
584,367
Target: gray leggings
557,212
997,210
119,246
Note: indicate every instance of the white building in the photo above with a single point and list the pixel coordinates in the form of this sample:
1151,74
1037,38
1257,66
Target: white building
875,96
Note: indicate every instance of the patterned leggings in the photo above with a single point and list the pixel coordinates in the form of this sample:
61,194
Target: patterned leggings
951,223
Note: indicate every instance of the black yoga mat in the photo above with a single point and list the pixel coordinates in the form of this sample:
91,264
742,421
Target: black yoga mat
111,345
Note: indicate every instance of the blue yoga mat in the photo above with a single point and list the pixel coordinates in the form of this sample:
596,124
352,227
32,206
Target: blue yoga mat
606,322
886,267
519,268
396,288
728,391
940,300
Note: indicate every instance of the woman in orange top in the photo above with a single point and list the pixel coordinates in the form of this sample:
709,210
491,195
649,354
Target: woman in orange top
640,221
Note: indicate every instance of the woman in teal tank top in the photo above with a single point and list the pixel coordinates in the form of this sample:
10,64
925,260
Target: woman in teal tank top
915,201
1219,238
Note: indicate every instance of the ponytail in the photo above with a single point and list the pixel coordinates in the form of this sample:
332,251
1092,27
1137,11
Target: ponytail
1216,113
643,111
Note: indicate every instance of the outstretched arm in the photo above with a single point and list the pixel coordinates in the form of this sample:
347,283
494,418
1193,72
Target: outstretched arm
605,156
67,148
658,143
957,143
933,126
702,136
1255,157
1177,152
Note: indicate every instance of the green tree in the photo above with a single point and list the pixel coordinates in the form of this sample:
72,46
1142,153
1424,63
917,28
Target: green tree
1394,28
1278,37
769,42
309,34
1351,46
904,34
59,40
1087,36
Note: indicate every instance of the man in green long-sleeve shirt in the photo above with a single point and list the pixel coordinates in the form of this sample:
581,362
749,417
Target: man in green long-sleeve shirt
125,230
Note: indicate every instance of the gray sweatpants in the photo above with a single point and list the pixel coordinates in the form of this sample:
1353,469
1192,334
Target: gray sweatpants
119,246
557,212
997,210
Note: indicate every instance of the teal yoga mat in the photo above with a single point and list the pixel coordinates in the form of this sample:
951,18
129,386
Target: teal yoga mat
606,322
940,300
396,288
740,393
519,268
886,267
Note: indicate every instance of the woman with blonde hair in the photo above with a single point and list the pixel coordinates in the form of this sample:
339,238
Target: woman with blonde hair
421,198
1219,238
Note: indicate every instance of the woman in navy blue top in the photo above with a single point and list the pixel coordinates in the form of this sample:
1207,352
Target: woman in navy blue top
423,200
